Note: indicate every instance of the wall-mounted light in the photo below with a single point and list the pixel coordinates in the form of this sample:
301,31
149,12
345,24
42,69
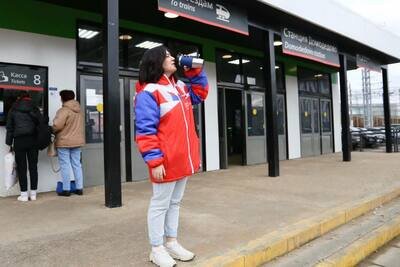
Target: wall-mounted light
148,44
277,67
227,56
277,43
170,15
125,37
318,75
87,34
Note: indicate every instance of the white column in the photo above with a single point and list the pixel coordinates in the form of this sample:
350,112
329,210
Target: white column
337,122
211,119
293,117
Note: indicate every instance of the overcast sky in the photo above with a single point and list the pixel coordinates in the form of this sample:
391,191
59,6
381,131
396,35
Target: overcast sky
384,13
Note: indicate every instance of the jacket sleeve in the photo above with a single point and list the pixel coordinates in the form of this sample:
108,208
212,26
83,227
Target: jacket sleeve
10,128
59,120
198,85
147,114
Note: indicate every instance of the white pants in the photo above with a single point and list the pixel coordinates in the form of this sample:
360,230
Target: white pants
163,213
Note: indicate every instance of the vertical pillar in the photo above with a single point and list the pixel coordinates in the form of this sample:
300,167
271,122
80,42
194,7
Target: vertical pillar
271,108
386,109
346,138
111,100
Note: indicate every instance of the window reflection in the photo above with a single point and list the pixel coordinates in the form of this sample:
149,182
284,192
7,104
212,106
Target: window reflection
255,114
306,122
313,82
228,67
253,71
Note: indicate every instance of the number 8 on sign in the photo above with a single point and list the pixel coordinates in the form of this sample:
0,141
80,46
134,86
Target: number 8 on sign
36,79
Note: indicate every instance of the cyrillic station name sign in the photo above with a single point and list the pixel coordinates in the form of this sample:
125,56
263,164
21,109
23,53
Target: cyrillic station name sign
306,46
210,12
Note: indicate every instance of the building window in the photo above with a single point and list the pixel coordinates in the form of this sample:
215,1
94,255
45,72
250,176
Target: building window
314,82
228,67
132,46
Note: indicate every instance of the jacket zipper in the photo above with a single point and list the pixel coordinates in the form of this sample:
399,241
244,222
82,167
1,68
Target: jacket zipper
186,124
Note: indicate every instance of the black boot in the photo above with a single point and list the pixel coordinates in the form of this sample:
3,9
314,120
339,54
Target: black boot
64,193
79,192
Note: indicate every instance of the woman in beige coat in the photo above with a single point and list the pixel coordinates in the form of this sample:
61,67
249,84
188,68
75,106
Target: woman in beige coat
69,130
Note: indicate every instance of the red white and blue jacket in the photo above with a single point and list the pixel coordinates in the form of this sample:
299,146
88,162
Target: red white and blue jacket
165,126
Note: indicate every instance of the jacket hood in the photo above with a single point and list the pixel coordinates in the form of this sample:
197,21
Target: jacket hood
24,105
73,105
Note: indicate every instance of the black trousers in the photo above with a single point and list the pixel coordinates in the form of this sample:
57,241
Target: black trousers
21,157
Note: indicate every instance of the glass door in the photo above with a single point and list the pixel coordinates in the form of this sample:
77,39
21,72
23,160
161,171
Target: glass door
316,137
281,124
310,127
326,126
91,98
256,146
139,167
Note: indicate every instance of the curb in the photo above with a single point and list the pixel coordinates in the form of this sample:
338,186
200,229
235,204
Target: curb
364,246
282,241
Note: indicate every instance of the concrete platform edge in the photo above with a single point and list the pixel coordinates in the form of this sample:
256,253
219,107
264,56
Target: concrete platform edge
280,242
362,248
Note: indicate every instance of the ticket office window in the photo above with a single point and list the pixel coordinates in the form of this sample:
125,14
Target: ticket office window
15,78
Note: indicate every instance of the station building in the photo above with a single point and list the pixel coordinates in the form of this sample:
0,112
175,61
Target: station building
274,69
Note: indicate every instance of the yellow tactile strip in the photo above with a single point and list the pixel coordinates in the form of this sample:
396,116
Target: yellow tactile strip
359,250
282,241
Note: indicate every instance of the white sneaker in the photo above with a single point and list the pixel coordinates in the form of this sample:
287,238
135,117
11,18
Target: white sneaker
23,197
160,257
33,195
178,252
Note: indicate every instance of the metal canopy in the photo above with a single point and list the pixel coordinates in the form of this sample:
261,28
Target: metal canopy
259,14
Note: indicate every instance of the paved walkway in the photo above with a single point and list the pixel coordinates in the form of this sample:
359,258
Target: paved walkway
221,210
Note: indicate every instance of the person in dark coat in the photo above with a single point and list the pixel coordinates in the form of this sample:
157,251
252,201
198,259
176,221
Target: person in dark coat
21,137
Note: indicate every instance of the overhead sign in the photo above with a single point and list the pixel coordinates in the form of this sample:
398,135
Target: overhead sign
21,77
306,46
365,62
212,12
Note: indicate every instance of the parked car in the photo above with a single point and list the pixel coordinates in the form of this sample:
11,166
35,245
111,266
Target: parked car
369,138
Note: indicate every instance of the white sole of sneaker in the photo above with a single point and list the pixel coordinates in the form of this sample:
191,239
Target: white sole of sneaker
151,258
176,257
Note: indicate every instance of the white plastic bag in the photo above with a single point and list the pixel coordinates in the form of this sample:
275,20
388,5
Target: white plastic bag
10,170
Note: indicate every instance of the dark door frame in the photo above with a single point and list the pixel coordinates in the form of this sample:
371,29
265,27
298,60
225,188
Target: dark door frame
224,164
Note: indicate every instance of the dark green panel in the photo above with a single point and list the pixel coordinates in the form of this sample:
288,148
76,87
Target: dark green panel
291,64
43,18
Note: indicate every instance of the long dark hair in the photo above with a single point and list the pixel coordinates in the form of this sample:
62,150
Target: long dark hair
151,65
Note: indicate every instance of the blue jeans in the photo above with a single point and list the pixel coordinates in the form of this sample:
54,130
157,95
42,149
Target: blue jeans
70,157
163,213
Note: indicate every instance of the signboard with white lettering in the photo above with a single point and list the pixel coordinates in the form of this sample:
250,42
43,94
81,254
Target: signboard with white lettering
20,77
306,46
212,12
365,62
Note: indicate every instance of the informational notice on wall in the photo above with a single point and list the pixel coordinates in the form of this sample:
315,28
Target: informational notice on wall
366,62
306,46
212,12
